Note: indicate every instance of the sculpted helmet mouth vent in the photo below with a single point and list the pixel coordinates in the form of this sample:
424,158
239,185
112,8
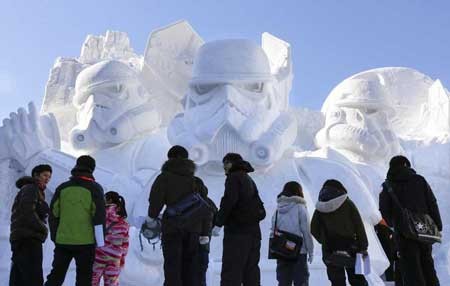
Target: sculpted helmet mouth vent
101,106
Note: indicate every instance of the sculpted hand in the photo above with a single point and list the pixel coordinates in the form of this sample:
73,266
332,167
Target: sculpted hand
24,135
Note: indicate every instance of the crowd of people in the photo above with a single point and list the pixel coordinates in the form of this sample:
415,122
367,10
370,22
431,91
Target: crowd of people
91,227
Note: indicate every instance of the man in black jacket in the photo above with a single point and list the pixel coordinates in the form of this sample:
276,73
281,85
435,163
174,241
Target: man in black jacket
180,245
241,210
28,229
414,194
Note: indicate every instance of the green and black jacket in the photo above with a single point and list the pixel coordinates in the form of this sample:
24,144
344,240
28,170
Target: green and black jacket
76,208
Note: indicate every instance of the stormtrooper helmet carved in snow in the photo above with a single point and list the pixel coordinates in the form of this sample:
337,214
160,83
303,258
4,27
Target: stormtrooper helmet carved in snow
357,121
113,106
232,106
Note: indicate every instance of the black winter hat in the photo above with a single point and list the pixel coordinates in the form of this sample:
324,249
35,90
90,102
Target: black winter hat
334,184
232,158
399,161
41,168
331,189
177,152
86,161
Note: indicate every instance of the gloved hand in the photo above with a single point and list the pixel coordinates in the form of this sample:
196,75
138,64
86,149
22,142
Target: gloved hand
310,258
216,231
203,240
364,253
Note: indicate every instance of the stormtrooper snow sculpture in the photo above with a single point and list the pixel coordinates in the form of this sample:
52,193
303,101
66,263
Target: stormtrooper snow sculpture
238,102
415,122
231,106
358,131
117,121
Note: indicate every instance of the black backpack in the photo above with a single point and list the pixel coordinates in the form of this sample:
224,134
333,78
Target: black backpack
189,210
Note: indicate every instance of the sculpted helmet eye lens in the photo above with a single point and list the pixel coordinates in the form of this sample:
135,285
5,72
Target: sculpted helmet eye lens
201,89
359,117
257,87
370,110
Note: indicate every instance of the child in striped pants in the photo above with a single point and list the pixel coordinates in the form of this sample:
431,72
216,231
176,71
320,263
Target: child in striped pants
110,259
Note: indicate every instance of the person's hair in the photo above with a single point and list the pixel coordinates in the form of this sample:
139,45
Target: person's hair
334,184
40,169
119,201
177,152
399,161
232,158
291,189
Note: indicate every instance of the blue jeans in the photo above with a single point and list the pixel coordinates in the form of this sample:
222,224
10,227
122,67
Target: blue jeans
296,272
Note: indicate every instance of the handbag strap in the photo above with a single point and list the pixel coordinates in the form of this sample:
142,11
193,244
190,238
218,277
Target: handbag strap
392,194
276,221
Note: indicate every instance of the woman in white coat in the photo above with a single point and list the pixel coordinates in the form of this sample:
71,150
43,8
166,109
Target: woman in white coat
292,216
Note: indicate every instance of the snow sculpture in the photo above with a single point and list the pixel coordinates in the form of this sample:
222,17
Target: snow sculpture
415,122
232,102
112,116
357,123
436,111
238,102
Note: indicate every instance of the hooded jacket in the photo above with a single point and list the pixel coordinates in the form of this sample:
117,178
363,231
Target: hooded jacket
413,192
336,222
29,212
116,238
293,217
77,207
240,202
175,182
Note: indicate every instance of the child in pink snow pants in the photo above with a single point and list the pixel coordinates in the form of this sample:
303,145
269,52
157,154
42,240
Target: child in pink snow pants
110,259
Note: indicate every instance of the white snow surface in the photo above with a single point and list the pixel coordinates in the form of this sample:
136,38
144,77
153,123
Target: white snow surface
218,97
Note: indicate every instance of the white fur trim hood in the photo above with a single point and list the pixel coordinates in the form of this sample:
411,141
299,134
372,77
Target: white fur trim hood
331,205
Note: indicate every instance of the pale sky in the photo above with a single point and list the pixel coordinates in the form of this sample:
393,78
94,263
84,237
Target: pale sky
331,39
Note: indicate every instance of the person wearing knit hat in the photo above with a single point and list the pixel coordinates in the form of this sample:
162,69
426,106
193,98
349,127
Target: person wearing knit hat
412,193
176,182
177,151
77,220
86,162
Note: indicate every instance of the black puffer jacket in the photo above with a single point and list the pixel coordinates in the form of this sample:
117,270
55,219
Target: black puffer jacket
29,212
241,208
414,194
175,182
337,224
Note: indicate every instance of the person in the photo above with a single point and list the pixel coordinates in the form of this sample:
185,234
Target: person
110,259
415,194
241,210
77,218
292,216
179,244
28,228
204,242
337,225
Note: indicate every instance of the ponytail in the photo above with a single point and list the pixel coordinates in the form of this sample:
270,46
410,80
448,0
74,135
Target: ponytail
119,201
123,211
